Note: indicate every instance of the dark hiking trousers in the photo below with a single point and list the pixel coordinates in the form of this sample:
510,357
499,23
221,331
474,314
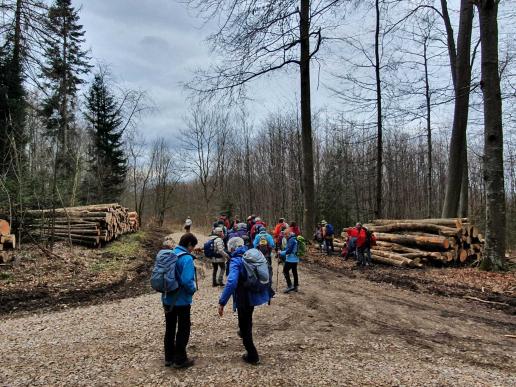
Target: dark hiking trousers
221,268
328,245
286,271
245,323
177,333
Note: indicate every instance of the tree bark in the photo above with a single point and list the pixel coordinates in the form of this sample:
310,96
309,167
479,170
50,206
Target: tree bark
494,257
460,117
306,120
379,143
429,199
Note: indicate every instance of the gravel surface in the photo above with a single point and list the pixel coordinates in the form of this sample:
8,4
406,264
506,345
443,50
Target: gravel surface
335,331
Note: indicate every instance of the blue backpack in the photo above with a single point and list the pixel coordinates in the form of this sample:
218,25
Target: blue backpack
209,248
329,230
164,277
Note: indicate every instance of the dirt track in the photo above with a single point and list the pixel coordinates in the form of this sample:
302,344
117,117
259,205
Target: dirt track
336,330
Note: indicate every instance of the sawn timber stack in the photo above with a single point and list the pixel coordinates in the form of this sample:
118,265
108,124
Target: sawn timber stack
89,225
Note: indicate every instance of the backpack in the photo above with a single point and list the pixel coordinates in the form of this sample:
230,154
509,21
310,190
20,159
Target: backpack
252,282
164,277
329,230
263,246
301,246
209,248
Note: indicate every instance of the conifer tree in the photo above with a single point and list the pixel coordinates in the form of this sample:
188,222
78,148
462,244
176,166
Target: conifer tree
65,64
107,160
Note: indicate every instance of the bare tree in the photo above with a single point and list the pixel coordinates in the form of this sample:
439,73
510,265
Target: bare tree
494,258
204,140
257,38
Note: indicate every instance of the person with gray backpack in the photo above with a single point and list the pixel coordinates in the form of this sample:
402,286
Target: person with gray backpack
174,276
249,285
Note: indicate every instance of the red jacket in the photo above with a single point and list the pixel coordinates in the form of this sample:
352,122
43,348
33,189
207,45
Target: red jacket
277,231
296,230
253,229
360,235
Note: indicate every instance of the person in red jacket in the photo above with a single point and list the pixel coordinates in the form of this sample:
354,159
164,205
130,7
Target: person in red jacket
257,222
356,240
279,232
295,228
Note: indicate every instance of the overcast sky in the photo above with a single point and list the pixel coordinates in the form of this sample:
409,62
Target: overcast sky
154,45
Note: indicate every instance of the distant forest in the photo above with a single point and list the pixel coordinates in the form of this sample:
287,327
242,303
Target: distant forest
422,122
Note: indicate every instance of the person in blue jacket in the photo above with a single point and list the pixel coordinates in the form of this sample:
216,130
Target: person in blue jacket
265,248
291,260
244,301
177,306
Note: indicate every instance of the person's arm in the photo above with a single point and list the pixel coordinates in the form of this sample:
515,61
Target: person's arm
231,283
188,275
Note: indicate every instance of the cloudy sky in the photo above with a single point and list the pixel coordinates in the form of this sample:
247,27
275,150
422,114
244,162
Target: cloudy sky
154,45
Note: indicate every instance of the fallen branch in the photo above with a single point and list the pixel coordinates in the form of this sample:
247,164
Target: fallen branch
485,301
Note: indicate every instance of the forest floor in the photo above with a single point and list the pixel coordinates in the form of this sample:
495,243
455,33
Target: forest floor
340,329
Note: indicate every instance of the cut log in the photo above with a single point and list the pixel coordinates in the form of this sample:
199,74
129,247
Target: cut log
434,242
449,222
422,227
393,256
5,227
387,261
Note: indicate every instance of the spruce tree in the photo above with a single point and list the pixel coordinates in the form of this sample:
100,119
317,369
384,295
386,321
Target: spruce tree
12,96
107,160
65,64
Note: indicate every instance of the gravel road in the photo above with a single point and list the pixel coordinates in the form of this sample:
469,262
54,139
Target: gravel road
335,331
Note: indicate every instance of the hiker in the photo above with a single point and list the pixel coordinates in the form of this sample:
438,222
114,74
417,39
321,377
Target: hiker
257,222
328,233
279,232
177,305
369,242
263,241
289,256
318,236
214,248
250,222
295,228
188,224
356,240
249,284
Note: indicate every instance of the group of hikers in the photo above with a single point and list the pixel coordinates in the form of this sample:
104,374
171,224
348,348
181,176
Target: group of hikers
243,252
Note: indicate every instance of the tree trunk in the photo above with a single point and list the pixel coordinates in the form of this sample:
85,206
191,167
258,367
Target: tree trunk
460,116
429,198
379,143
464,188
494,257
306,120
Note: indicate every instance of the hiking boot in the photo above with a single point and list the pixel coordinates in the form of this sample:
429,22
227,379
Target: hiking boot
294,289
288,290
168,363
186,364
250,361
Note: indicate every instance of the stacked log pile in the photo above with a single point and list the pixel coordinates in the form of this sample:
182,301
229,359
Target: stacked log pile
426,241
7,241
88,225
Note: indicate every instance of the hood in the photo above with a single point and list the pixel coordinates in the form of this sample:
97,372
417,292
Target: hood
239,251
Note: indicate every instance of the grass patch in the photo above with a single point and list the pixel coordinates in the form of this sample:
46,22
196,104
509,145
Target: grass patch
4,276
115,256
128,245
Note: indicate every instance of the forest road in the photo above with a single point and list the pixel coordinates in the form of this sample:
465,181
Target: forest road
335,331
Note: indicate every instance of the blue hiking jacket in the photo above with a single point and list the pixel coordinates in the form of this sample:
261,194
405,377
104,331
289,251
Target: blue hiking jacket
185,271
290,253
234,285
270,240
